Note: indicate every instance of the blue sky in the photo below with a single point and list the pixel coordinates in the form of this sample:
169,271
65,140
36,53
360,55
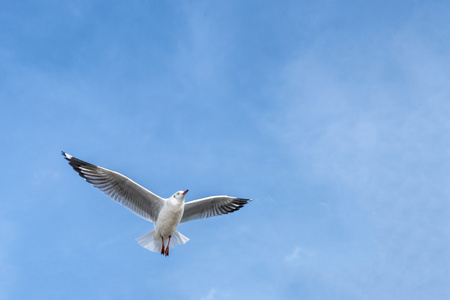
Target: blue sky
332,115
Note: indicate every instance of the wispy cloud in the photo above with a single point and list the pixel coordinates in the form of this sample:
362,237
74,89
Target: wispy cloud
386,143
211,295
293,255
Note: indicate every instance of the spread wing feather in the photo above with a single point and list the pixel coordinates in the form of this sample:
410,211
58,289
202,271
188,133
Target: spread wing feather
120,188
212,206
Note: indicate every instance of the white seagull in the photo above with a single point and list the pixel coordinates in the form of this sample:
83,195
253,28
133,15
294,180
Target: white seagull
166,214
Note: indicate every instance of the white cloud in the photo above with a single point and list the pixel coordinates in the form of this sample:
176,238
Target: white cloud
386,142
293,256
211,295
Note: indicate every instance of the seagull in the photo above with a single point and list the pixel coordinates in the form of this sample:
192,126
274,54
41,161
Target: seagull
166,214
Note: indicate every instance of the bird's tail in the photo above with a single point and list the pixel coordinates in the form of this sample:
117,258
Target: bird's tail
149,242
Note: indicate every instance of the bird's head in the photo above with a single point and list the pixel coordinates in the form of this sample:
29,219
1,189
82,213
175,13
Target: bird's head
180,195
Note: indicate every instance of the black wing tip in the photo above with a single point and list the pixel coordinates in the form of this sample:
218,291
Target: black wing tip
76,164
66,156
240,202
244,200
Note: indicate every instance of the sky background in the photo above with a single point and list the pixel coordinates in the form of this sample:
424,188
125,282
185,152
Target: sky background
334,116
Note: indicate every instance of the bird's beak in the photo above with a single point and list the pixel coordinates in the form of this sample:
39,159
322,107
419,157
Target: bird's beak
184,193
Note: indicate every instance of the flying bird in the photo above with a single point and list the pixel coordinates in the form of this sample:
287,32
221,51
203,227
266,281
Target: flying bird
166,214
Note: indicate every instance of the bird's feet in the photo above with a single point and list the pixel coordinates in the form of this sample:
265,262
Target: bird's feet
167,248
162,248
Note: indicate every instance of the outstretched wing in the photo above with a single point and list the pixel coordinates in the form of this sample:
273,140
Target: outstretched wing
139,200
212,206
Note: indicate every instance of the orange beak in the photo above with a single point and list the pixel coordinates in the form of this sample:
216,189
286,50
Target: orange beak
184,193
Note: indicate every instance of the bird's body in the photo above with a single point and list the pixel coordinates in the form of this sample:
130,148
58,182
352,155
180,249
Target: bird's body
169,217
166,214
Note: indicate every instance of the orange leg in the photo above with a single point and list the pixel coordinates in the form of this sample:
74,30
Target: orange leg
167,248
162,248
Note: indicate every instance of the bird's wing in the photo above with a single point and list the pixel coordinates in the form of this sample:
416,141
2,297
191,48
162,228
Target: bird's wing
212,206
139,200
